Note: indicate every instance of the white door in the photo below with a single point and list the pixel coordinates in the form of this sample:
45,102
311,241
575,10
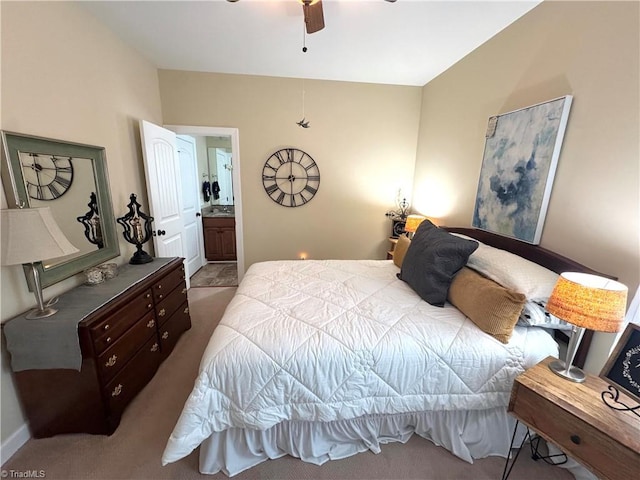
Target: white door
224,165
163,189
194,237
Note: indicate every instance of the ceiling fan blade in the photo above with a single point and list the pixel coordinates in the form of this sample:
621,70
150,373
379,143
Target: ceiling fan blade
313,16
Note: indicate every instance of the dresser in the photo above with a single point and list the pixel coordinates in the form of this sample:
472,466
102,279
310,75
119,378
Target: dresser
122,341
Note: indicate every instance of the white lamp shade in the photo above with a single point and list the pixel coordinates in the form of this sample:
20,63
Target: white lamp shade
31,235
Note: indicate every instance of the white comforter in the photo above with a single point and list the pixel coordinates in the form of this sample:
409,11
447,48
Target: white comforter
335,340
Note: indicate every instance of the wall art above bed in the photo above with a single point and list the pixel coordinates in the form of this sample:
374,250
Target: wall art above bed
519,162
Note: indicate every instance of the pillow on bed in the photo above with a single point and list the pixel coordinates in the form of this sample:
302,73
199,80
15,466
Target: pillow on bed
401,249
534,315
514,272
433,258
493,308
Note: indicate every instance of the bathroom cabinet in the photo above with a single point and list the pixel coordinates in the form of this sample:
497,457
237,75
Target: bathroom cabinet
219,238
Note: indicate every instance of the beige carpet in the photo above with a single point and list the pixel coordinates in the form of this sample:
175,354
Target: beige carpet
135,449
216,275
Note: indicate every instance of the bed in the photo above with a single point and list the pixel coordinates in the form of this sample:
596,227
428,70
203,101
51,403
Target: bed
323,359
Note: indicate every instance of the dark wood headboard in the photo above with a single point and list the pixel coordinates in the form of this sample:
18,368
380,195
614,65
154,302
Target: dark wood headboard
551,260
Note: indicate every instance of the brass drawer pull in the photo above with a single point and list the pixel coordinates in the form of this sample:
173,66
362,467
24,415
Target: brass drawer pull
108,339
117,391
159,287
106,327
160,296
184,290
151,323
148,295
111,362
154,347
186,310
149,305
162,312
165,335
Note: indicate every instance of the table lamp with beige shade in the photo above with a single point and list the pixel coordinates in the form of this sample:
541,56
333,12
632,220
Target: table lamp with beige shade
30,235
586,302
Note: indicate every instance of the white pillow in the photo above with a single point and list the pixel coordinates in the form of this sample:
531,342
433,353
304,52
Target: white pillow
514,272
534,315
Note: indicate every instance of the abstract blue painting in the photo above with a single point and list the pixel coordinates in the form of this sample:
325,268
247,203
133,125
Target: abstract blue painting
520,158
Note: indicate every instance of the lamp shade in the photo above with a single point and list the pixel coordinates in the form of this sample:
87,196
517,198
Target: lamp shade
589,301
30,235
412,223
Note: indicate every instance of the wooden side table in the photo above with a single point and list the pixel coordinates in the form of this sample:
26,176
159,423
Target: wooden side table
392,247
573,417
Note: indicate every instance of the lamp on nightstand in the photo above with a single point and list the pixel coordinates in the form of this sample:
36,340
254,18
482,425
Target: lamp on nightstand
412,223
585,301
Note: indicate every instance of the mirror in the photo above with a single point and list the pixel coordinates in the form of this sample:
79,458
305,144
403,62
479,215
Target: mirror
220,167
72,180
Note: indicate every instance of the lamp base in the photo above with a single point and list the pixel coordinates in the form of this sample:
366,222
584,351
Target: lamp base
140,257
37,313
574,374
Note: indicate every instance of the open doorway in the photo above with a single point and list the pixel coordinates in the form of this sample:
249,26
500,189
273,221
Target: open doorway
221,206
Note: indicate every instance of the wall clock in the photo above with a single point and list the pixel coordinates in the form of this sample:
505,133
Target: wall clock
291,177
46,177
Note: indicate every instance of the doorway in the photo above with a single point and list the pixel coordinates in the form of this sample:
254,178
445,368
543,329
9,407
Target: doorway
233,134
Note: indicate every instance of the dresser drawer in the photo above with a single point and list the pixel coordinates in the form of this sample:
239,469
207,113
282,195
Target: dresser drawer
171,330
107,331
573,435
166,308
118,354
164,287
133,377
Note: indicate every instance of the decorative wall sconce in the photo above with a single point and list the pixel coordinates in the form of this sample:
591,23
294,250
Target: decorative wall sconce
137,230
91,222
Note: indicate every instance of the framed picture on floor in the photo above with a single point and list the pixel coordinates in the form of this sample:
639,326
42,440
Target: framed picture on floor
521,153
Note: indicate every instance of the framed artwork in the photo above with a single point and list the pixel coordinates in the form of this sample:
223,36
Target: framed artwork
519,162
623,366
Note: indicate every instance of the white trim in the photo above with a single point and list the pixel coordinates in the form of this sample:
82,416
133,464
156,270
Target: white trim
12,444
234,133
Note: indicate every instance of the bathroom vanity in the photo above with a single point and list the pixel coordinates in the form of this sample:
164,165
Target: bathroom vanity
219,236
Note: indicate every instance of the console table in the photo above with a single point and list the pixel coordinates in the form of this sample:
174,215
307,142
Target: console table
124,329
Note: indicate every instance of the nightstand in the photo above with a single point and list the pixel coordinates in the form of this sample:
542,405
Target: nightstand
573,417
392,247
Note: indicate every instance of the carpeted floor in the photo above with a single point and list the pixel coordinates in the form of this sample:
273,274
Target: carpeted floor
216,275
135,449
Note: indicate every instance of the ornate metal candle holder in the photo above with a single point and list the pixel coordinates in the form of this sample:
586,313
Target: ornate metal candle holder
91,222
137,230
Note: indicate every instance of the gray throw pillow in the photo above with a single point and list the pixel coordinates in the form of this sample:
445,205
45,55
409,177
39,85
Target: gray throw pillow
432,260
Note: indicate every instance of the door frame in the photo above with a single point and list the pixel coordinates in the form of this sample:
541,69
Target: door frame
235,175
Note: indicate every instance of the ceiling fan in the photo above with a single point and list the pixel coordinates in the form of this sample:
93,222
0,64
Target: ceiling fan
313,15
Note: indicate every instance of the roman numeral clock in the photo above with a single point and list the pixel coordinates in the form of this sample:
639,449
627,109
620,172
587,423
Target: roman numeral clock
291,177
47,177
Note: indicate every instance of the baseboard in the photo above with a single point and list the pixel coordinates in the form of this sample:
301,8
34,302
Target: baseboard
12,444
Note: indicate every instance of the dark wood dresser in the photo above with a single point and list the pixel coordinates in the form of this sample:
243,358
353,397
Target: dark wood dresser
122,343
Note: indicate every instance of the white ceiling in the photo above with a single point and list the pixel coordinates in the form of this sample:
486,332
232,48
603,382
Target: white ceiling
408,42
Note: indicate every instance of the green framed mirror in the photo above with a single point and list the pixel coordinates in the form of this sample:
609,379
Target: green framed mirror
71,179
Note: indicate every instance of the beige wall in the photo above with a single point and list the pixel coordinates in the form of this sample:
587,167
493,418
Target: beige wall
64,76
362,136
586,49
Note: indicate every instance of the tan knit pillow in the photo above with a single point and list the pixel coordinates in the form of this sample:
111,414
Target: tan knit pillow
401,248
492,307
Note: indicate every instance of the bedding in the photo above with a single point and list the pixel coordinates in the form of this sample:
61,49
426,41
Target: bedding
337,348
